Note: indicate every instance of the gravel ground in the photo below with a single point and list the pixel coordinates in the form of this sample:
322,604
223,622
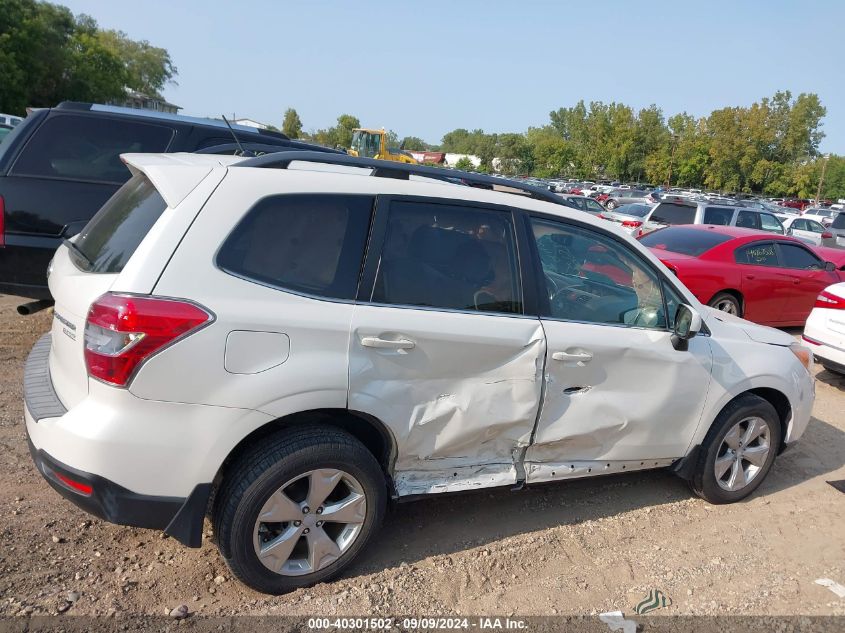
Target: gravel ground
581,547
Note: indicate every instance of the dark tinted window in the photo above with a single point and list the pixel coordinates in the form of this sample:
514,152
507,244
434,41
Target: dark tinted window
88,148
839,221
450,257
718,215
113,234
670,213
758,254
794,256
306,243
748,220
683,240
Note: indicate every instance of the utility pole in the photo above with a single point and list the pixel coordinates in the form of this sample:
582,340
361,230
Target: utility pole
671,161
821,180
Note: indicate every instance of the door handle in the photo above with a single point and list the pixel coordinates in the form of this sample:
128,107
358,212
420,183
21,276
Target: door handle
383,343
749,276
584,357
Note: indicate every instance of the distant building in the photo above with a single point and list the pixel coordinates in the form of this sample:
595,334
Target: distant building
141,101
251,123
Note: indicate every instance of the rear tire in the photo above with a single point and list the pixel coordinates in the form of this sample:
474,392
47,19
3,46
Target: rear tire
738,451
611,205
726,302
266,531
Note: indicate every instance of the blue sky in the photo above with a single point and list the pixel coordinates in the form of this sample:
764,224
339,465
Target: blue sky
425,68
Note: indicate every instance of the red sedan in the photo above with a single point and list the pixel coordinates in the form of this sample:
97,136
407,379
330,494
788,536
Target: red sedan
766,278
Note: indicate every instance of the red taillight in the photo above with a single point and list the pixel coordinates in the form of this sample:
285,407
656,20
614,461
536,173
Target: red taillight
829,301
2,222
78,486
632,224
827,236
122,331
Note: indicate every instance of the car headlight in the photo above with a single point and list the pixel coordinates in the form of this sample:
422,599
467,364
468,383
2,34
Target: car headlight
804,355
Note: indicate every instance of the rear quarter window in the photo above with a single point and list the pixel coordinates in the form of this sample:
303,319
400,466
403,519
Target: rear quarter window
114,233
312,244
88,148
671,213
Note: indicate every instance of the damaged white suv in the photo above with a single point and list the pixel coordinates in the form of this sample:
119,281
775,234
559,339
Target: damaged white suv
284,343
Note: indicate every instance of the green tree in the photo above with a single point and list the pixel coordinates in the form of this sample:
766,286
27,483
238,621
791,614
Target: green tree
415,143
148,68
292,124
464,164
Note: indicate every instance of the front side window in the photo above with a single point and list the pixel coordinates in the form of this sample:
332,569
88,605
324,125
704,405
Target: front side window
449,257
794,256
757,254
770,223
592,278
312,243
88,148
815,227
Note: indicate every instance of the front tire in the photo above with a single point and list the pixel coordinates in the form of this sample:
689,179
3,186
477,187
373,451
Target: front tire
298,508
738,452
611,205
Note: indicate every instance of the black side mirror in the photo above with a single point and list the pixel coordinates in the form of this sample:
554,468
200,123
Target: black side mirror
687,325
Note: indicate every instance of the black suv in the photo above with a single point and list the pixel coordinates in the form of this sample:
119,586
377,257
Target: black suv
61,164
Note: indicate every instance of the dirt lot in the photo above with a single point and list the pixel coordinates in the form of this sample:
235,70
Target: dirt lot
581,547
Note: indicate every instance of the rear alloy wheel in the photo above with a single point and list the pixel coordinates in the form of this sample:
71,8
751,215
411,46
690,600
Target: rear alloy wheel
726,302
298,508
611,205
738,451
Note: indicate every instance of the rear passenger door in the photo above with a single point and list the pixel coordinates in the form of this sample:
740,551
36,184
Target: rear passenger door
441,349
806,272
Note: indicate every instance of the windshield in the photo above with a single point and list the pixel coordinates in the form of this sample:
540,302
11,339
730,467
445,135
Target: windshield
367,144
684,240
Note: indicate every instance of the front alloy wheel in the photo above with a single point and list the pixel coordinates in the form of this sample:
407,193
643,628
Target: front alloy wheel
743,454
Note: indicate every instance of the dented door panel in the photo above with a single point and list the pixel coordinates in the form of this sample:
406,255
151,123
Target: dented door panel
459,392
635,398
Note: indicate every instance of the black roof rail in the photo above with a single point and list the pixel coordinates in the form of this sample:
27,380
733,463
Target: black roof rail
400,171
260,149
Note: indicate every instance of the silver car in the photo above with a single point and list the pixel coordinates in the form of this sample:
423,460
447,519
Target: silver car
630,217
619,197
704,212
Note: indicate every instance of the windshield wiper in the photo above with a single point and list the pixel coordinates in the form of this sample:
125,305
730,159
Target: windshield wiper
66,241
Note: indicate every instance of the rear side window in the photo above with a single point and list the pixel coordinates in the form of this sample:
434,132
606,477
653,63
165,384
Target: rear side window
88,148
686,241
312,244
670,213
449,257
748,220
839,221
718,215
111,237
759,254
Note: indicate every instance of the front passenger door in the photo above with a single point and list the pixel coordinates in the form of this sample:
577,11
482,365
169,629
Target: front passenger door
618,395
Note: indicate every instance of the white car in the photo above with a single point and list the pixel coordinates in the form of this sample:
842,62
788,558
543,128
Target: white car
285,342
807,230
823,216
825,328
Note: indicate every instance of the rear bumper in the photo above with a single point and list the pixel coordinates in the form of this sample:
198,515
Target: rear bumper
180,517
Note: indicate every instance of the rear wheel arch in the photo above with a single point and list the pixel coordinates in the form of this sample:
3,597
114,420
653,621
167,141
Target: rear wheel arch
370,431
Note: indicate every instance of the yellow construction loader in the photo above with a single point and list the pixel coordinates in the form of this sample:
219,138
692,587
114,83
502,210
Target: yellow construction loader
368,143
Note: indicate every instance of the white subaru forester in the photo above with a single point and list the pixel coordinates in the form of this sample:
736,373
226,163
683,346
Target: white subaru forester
283,343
